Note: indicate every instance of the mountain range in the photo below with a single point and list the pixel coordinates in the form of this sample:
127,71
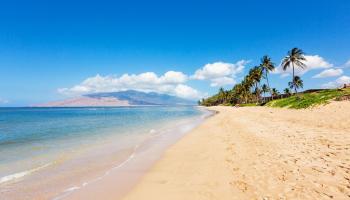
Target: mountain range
122,98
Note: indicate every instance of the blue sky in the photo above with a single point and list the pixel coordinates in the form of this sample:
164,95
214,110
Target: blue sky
49,48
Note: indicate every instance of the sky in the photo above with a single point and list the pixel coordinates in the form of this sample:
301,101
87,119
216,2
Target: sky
52,50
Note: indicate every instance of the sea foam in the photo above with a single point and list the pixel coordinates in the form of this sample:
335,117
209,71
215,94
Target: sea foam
18,175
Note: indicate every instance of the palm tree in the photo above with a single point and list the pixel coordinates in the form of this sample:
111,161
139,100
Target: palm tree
238,90
226,96
247,83
274,92
266,66
264,89
287,91
231,96
295,57
255,74
296,84
257,92
221,95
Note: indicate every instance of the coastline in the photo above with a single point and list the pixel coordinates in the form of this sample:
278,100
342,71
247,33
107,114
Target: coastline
257,153
236,153
103,154
119,180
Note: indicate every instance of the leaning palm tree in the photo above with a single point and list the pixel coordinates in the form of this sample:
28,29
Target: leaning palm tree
248,81
296,83
295,57
266,67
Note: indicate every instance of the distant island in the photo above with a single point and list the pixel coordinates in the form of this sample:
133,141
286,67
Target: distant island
121,98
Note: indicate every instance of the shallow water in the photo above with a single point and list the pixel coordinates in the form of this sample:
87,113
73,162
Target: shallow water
43,146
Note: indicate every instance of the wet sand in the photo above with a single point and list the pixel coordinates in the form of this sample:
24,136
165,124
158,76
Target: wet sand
116,182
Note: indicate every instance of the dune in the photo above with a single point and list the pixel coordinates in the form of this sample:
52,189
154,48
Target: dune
257,153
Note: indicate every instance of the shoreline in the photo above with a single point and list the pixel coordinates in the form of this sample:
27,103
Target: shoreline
119,180
256,153
88,165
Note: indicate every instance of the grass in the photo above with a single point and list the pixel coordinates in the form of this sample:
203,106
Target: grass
309,99
247,104
240,105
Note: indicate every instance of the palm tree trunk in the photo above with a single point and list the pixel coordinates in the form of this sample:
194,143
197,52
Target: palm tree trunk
260,95
268,84
256,90
295,88
264,97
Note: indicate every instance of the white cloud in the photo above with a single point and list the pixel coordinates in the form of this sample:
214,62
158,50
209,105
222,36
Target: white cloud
222,81
169,83
220,73
347,64
316,62
187,92
329,73
312,62
173,77
338,82
3,101
284,75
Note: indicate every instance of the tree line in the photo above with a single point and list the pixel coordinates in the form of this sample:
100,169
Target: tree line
252,90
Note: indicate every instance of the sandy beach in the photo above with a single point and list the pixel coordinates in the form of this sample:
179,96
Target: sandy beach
257,153
175,100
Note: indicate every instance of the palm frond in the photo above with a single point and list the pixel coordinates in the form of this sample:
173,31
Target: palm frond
286,63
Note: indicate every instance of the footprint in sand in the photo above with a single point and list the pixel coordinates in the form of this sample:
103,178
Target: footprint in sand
235,169
241,185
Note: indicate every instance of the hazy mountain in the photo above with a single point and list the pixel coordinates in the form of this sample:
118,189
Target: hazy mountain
122,98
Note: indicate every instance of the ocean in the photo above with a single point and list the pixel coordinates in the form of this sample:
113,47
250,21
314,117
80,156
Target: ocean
49,152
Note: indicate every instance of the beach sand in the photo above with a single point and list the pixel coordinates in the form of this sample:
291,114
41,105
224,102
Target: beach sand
257,153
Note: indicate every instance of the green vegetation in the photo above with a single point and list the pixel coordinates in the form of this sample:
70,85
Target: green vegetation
294,58
252,92
266,67
305,100
248,105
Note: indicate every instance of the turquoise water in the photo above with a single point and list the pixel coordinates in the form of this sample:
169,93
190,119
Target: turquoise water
31,139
